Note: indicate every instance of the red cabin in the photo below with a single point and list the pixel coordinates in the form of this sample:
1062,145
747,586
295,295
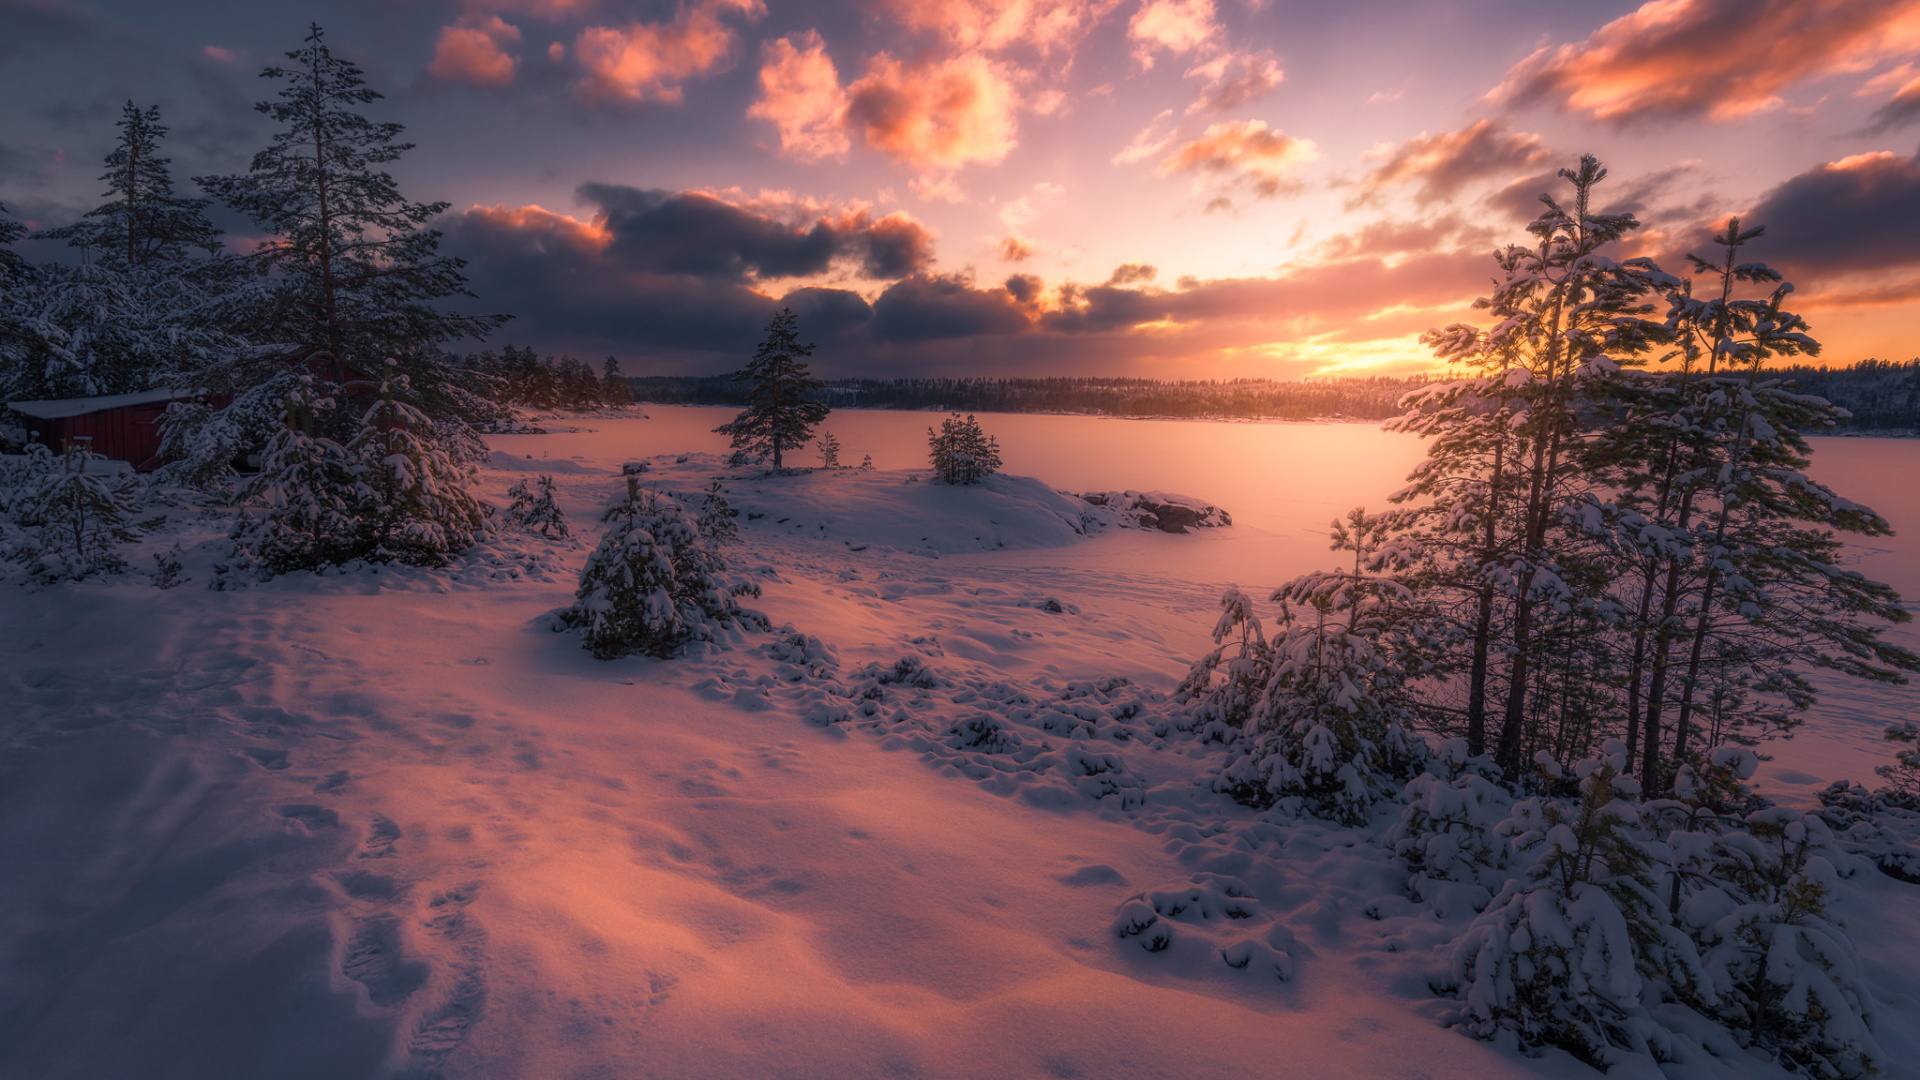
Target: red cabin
124,427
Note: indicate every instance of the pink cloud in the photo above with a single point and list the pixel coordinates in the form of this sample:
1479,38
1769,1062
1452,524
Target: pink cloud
221,55
1233,79
1045,25
475,52
1244,150
800,94
935,115
1721,59
1177,26
648,61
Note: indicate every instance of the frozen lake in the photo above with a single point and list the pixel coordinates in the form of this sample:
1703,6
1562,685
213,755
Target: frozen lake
1283,483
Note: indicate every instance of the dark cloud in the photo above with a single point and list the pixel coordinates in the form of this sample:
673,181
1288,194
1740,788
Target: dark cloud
1902,111
704,236
1024,288
927,308
1128,273
1853,215
897,246
29,25
573,286
1440,165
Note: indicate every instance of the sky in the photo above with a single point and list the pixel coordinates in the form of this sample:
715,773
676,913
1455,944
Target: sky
1156,188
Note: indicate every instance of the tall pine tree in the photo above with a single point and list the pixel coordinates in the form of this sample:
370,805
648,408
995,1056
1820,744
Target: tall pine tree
779,416
340,306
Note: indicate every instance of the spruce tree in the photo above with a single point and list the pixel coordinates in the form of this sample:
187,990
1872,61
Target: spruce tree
340,300
348,276
779,416
614,389
136,311
961,453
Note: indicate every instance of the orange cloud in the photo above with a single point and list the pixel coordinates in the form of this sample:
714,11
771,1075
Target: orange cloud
1177,26
1722,59
1046,25
474,53
536,219
648,61
800,94
1442,164
1246,149
939,115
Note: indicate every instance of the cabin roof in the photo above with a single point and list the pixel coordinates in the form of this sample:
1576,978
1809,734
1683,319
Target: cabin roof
61,408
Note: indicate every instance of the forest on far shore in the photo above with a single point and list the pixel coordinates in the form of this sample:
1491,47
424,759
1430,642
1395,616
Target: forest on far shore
1883,396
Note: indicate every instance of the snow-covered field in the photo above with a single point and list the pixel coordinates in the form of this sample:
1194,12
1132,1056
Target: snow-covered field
389,823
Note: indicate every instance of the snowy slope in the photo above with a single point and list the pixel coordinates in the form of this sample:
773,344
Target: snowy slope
389,823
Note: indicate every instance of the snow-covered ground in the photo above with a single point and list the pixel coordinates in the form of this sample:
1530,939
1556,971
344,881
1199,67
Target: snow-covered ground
390,823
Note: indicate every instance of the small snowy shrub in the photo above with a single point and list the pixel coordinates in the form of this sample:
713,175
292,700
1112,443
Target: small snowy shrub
1445,835
1882,826
1777,973
83,514
533,509
651,586
829,449
1327,729
1555,958
961,453
305,504
718,524
417,509
1224,685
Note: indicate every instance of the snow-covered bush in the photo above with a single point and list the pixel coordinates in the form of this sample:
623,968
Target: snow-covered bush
718,524
1327,728
1882,826
417,508
1776,971
82,513
1445,836
304,506
961,453
1224,685
532,508
651,586
1556,957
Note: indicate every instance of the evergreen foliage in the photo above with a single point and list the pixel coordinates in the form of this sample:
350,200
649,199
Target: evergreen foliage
83,514
780,415
532,508
961,453
829,449
652,586
614,390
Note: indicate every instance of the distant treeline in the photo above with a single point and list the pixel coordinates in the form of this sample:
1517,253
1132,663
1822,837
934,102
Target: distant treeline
1366,399
1882,396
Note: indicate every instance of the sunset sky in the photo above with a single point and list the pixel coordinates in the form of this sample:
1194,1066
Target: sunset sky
1167,188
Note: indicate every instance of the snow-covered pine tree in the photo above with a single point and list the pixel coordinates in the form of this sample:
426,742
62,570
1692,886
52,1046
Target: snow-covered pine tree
652,586
533,508
1557,956
960,452
614,388
1225,685
779,416
340,294
134,313
417,508
305,508
1503,474
829,449
1330,727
